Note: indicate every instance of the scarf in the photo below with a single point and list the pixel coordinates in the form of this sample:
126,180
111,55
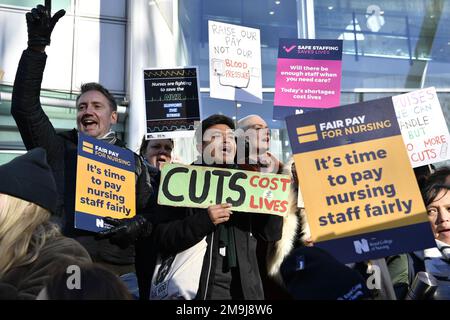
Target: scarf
227,241
437,260
110,137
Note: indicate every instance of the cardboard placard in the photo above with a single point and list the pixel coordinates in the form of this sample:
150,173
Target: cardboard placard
423,126
308,76
234,62
105,183
360,192
201,187
172,102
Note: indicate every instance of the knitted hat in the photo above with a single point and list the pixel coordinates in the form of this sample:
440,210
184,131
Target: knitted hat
310,273
30,178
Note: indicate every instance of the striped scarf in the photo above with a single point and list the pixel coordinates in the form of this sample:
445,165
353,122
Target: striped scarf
110,137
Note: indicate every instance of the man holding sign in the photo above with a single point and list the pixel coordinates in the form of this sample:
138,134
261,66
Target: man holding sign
96,113
230,268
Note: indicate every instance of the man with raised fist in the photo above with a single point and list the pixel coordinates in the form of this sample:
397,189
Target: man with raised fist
96,113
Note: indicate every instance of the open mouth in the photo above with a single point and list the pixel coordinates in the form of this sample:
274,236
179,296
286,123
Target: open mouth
161,159
88,123
226,149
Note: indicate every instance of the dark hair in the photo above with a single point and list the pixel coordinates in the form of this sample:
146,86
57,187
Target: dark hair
96,283
211,121
94,86
144,144
432,184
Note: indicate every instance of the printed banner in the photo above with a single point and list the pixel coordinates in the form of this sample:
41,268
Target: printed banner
308,76
423,126
171,102
234,62
105,184
201,187
361,196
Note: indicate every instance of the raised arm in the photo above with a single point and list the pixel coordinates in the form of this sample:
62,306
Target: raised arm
34,126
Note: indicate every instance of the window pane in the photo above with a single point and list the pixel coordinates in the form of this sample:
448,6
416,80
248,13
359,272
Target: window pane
392,44
56,4
194,16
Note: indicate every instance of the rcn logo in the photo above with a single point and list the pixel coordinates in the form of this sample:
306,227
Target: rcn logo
361,246
99,223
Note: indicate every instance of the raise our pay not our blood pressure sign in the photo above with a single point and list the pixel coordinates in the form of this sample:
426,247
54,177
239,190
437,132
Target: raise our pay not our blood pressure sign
308,76
423,126
234,62
360,193
201,187
105,185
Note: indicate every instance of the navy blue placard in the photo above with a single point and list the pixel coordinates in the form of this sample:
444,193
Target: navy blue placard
380,244
379,111
315,49
106,153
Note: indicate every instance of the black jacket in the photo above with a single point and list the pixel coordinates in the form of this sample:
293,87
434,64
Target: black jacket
177,229
37,131
25,282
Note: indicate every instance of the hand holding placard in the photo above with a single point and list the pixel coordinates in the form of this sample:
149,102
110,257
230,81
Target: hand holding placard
219,213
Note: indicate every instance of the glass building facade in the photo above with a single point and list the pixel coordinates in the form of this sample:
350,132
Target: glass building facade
390,47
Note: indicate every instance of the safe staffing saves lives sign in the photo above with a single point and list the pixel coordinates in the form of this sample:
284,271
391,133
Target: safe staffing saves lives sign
308,76
361,196
105,184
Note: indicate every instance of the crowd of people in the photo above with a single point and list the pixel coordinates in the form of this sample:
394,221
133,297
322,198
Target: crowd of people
245,256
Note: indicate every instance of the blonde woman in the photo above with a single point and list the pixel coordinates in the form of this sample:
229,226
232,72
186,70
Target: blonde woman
30,245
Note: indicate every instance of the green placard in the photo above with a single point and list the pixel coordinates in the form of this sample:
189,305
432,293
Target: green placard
201,187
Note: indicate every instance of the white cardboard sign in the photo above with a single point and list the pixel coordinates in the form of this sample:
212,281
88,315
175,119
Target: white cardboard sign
423,126
235,62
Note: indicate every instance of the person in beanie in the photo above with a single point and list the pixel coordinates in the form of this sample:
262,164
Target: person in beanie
96,114
29,243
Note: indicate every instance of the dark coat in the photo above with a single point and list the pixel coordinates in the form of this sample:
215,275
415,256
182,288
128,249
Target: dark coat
37,131
26,282
177,229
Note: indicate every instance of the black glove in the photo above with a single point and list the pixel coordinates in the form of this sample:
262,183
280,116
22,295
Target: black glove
125,231
40,24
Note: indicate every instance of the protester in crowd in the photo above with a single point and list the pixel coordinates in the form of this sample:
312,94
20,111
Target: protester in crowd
254,132
436,261
403,268
157,152
96,114
257,134
87,281
230,269
29,243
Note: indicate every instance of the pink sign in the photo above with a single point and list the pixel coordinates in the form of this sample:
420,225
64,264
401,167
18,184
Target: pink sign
308,76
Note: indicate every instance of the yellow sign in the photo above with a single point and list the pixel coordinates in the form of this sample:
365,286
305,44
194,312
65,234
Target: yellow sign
105,183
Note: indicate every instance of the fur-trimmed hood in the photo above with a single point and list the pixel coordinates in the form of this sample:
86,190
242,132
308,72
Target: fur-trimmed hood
295,231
